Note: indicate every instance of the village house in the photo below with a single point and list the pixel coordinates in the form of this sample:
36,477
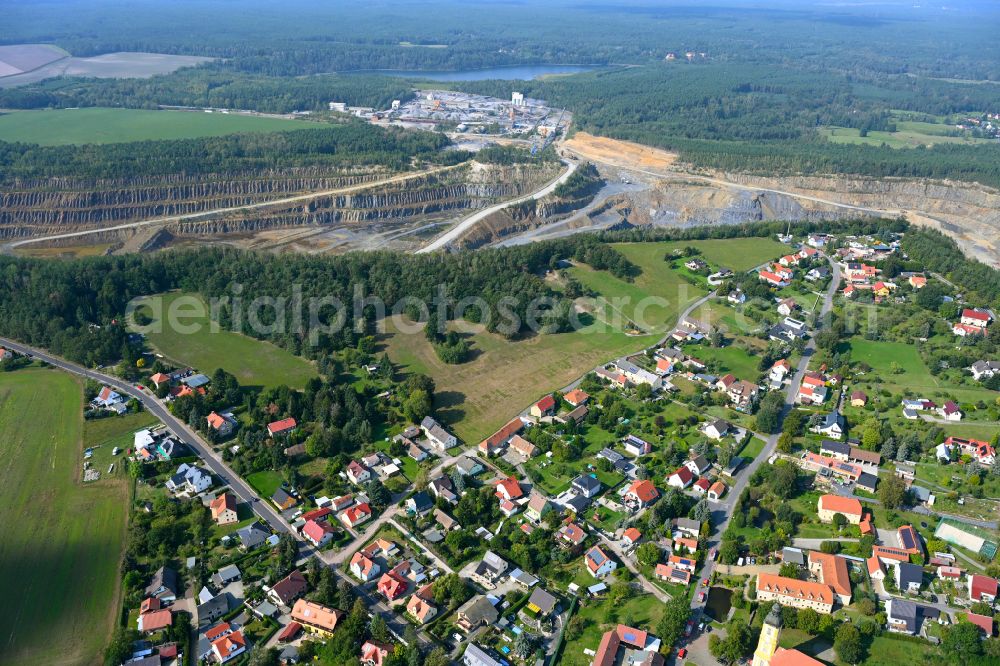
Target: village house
374,653
950,411
780,370
796,593
787,306
318,533
831,425
701,486
419,607
572,534
315,618
282,427
982,588
223,425
490,570
982,452
832,570
358,473
544,407
523,447
499,439
576,397
252,536
288,589
440,439
909,577
587,485
283,499
830,505
189,479
859,398
717,490
355,515
476,612
636,375
229,647
984,369
716,429
223,509
598,563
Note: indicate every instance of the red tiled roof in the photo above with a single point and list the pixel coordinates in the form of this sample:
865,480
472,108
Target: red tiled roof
683,473
982,621
546,403
283,425
982,585
644,490
847,506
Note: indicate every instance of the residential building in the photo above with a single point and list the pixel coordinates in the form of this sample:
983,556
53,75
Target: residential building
189,479
627,645
318,533
681,478
544,407
832,425
909,540
793,592
163,585
476,612
982,588
223,425
282,427
419,503
587,485
984,369
358,473
288,589
442,487
576,397
982,451
875,569
977,318
681,562
950,411
440,439
469,466
717,490
355,515
537,507
701,486
640,494
832,570
229,647
637,446
476,656
509,489
374,653
984,622
830,505
252,536
211,609
698,465
316,618
283,499
909,577
223,509
541,602
419,607
901,616
636,375
687,526
490,570
598,563
523,447
364,568
499,439
859,398
154,621
392,585
716,429
572,534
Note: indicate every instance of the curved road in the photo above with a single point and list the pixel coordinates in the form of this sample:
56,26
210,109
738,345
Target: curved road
455,232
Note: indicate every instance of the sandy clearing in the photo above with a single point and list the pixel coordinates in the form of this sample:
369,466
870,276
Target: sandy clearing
621,153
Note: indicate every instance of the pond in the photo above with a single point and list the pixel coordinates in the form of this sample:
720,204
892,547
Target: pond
513,73
718,603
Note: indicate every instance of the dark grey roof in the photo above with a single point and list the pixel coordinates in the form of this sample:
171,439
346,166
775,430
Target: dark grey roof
545,602
578,503
610,456
479,610
905,611
422,501
252,535
909,573
476,656
164,578
280,496
587,483
212,609
835,447
793,555
868,481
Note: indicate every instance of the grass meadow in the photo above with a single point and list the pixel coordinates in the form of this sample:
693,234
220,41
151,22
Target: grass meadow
56,127
62,540
254,362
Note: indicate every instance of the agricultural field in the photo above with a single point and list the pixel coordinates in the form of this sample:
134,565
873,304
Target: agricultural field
729,359
62,540
909,134
255,363
98,125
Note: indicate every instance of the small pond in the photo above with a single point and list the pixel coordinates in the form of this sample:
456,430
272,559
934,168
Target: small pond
718,603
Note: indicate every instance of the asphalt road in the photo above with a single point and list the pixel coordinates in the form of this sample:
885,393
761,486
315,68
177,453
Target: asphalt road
725,508
211,459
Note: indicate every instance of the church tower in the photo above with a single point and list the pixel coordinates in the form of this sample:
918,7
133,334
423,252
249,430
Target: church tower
768,643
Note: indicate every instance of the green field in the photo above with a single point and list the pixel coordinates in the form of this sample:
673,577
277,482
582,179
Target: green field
265,483
254,362
723,360
99,125
908,134
62,540
641,610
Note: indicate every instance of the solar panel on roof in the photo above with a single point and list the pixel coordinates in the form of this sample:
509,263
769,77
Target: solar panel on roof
907,537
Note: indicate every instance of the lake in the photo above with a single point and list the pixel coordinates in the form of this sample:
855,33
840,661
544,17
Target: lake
513,73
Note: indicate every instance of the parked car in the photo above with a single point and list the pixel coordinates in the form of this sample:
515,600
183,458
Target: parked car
701,596
683,652
689,628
